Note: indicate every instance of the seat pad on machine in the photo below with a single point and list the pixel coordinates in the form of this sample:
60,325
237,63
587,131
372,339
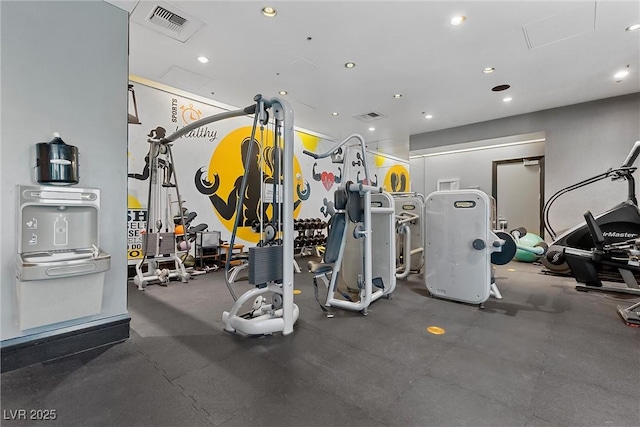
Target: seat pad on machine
319,268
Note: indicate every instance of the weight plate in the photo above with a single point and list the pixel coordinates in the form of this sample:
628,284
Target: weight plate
508,249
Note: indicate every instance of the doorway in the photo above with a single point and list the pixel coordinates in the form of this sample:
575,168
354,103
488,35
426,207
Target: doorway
518,188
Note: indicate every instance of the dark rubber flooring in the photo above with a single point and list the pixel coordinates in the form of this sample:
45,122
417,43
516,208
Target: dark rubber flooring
544,355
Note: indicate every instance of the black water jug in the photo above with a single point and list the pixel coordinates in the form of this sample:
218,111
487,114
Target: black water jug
56,162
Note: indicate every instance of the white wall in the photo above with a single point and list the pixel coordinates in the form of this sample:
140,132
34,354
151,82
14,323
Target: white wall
64,69
473,168
581,141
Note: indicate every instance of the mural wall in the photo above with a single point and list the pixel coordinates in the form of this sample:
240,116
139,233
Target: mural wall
209,164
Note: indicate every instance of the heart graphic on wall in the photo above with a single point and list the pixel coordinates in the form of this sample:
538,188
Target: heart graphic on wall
327,179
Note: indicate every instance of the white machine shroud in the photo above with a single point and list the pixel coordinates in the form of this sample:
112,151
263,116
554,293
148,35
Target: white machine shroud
454,269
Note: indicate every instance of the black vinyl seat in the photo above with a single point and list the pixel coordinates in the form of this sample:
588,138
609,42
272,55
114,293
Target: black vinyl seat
332,247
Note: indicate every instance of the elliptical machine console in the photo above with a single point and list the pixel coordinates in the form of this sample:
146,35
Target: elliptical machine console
618,224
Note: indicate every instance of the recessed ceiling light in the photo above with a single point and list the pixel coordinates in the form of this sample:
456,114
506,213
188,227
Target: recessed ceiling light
269,12
500,88
488,70
283,92
334,114
507,99
350,64
397,95
428,116
202,59
633,27
457,20
621,74
372,129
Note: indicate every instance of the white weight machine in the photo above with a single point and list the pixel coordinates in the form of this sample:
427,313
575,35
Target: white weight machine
159,240
410,230
360,246
460,244
269,266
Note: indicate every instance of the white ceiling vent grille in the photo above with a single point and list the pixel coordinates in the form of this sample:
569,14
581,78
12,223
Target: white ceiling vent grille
370,116
167,19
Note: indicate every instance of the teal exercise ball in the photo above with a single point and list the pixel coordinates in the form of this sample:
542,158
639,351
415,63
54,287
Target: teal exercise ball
530,240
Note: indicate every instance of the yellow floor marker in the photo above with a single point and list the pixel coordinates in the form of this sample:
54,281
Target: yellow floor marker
297,291
435,330
511,269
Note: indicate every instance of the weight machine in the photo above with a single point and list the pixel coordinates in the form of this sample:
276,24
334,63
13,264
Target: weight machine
410,231
362,220
159,240
269,265
460,245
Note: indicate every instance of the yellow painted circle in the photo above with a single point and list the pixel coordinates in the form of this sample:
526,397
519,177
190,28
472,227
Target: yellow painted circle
397,179
297,291
227,163
435,330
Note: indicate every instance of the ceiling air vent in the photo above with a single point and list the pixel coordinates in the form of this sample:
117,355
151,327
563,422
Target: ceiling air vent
370,116
167,19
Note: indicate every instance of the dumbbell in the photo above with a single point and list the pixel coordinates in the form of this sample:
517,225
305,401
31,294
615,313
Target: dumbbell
519,232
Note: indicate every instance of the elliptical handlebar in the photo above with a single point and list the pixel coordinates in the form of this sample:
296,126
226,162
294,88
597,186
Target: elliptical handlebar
632,156
622,172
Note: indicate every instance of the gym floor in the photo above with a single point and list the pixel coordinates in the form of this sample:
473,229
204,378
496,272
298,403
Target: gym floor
544,355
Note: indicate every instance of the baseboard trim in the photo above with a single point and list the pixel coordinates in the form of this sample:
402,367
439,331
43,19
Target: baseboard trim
56,346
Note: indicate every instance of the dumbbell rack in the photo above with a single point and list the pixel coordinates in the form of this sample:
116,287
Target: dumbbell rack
311,234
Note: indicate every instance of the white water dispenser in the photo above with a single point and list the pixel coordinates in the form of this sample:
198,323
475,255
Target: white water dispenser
60,267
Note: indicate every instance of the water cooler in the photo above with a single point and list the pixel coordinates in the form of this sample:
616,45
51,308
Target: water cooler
60,267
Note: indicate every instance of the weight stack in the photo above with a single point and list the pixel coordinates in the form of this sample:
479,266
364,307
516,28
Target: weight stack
265,264
165,246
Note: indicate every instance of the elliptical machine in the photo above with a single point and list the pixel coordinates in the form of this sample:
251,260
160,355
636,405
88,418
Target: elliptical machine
618,224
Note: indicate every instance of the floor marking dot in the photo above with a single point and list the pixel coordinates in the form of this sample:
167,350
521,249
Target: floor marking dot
435,330
297,291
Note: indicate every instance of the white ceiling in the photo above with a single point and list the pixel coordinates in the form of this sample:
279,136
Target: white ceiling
399,47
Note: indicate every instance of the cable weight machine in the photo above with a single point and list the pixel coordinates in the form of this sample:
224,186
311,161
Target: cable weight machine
271,262
270,267
159,240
